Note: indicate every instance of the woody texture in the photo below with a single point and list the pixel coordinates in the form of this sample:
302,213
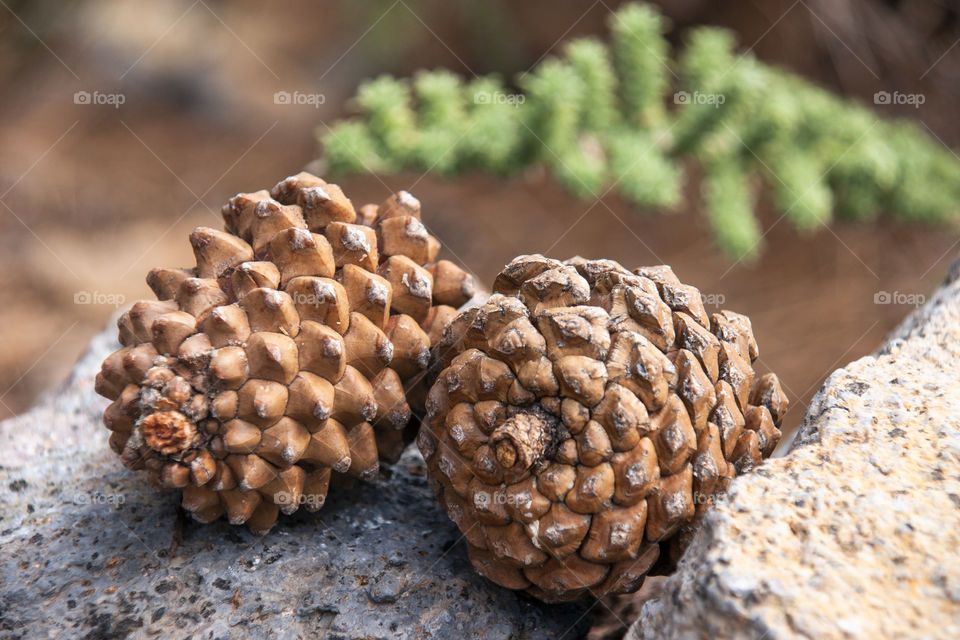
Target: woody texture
585,416
290,353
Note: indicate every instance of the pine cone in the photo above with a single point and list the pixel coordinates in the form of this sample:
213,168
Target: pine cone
583,420
284,354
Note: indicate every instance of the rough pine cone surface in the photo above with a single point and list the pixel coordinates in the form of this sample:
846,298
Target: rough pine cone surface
284,354
584,418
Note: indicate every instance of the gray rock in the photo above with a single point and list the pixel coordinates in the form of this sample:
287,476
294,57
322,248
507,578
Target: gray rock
855,534
89,549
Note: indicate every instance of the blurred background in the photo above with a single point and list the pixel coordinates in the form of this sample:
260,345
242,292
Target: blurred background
125,124
97,190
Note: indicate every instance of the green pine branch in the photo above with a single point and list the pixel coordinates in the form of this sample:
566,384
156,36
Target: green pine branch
629,115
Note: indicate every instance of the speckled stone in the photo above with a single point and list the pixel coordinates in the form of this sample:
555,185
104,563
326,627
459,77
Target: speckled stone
88,549
856,533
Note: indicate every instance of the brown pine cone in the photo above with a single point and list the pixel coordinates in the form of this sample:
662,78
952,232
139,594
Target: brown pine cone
584,418
284,354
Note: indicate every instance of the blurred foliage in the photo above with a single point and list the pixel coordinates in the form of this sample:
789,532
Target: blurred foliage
628,116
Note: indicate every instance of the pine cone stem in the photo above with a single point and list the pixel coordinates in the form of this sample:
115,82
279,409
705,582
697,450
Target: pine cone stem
523,441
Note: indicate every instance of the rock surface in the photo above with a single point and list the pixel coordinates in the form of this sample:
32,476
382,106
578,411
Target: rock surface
88,549
856,533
